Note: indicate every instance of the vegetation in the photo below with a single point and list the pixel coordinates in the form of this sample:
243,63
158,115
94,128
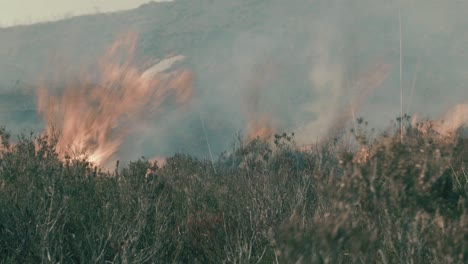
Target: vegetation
358,200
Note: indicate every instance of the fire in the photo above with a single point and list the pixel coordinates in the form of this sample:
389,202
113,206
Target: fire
447,125
259,124
454,119
93,115
259,128
160,160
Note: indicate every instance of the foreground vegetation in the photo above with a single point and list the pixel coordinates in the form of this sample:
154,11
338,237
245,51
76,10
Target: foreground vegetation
358,200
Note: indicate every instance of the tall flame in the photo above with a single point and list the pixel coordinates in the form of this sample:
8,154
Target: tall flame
93,115
259,124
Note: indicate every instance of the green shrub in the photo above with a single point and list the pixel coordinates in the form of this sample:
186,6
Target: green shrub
378,200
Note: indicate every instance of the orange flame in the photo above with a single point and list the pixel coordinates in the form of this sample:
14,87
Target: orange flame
160,160
93,116
456,118
259,124
447,125
259,128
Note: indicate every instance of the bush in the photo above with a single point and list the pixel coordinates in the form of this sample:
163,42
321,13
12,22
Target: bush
372,201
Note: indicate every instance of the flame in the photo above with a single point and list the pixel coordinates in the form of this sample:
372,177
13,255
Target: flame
160,160
454,119
259,128
93,115
259,124
448,124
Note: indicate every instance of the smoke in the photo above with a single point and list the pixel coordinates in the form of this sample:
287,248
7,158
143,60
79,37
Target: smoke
263,67
328,81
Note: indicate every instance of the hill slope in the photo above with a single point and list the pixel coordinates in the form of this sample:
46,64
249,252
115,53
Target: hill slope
305,62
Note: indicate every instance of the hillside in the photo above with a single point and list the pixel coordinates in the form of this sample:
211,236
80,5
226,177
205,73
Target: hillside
306,61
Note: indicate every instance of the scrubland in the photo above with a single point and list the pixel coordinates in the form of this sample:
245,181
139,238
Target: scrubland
357,197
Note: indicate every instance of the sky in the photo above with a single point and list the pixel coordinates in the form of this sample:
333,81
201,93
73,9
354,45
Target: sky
14,12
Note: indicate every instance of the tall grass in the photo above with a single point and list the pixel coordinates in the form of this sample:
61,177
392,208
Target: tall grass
377,200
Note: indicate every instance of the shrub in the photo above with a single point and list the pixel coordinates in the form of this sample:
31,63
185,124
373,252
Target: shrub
378,200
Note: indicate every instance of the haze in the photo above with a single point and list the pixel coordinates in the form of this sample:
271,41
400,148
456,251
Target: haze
303,66
34,11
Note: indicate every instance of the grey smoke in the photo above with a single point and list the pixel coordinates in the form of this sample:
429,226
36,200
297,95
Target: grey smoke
306,53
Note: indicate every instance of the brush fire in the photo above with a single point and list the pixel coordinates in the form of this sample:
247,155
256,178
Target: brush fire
92,116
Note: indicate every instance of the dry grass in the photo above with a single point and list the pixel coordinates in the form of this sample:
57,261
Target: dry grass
401,202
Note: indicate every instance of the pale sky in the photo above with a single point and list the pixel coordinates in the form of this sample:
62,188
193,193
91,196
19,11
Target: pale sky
13,12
